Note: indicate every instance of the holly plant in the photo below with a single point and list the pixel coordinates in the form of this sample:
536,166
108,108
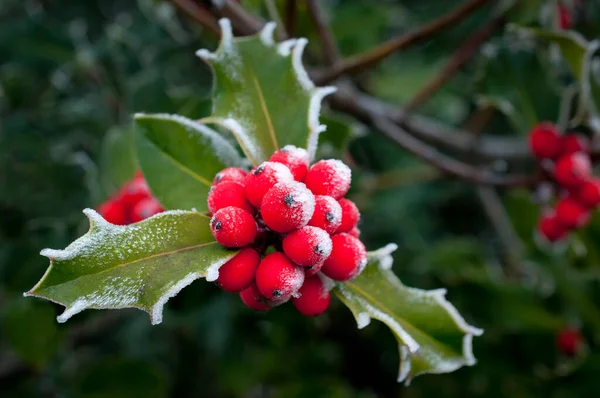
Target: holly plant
249,205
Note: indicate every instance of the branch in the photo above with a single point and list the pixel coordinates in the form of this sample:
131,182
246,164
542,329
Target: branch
374,56
330,51
462,55
199,14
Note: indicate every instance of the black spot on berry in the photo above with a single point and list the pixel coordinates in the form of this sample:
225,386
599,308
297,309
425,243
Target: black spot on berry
259,170
277,293
217,225
330,217
289,200
319,250
219,177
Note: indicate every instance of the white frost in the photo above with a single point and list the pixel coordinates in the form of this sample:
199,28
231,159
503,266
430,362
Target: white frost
157,310
384,255
266,34
285,47
363,320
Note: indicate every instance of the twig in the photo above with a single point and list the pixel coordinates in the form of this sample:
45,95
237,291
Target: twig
199,14
330,51
372,57
291,7
274,15
242,21
462,55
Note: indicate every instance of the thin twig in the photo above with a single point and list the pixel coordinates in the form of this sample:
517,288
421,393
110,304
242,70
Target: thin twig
274,15
372,57
199,14
291,8
330,51
462,55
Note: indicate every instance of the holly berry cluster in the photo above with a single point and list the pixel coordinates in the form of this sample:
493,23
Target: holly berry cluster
295,229
568,158
134,202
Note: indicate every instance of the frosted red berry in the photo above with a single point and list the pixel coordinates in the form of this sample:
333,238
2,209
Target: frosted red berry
134,191
230,174
233,227
278,278
570,341
573,170
262,178
145,208
347,259
589,193
228,193
237,274
571,214
354,232
314,297
287,206
327,215
350,215
550,228
573,142
310,271
307,246
296,159
545,140
114,212
253,299
329,177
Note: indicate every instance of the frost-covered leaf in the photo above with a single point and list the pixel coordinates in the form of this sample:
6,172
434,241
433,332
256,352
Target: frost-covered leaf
180,158
263,94
136,266
432,336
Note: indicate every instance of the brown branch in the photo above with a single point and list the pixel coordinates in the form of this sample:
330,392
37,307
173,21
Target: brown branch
330,51
462,55
291,8
372,57
241,20
199,14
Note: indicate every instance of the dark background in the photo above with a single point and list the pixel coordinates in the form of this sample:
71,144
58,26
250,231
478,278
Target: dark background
73,71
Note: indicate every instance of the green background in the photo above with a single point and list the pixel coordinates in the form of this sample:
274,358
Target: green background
73,72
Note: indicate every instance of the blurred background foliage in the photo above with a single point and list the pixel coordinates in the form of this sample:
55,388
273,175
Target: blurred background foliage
71,76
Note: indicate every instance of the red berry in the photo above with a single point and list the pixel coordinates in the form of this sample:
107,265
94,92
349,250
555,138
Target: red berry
237,274
565,19
134,191
314,297
262,178
347,260
233,227
545,141
228,193
327,215
230,174
296,159
573,142
571,214
570,341
573,170
277,278
589,193
329,177
310,271
350,215
287,206
354,232
307,246
550,228
145,208
114,211
253,299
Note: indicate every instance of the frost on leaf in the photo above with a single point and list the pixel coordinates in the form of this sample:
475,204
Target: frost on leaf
263,94
135,266
432,336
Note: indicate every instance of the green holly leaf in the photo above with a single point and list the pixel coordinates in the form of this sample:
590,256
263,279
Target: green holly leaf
432,336
263,94
135,266
180,157
117,161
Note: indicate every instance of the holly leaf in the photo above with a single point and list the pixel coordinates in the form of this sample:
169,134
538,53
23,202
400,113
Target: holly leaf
180,157
117,161
432,336
263,94
135,266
